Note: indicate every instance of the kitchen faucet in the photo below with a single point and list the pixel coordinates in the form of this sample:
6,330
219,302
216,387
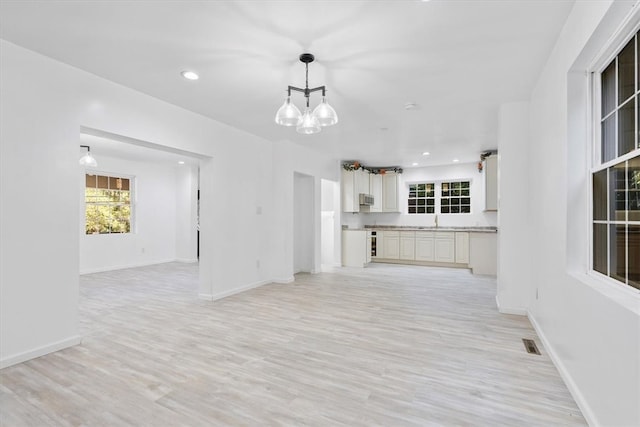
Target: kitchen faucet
436,221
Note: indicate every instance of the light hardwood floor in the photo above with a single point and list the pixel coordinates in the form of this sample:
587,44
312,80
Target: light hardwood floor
388,345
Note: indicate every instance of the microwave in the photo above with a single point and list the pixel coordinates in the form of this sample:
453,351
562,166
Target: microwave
366,199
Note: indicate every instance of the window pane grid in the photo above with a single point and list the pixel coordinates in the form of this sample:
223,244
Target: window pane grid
421,198
455,197
616,181
107,204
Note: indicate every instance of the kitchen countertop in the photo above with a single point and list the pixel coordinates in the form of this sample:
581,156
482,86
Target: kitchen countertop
415,228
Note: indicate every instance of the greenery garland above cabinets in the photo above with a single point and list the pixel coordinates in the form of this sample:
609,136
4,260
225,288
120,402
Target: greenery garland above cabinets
376,170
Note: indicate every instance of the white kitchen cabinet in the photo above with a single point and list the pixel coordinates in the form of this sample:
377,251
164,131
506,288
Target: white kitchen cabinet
490,182
350,202
375,186
424,246
354,183
407,245
444,247
362,182
390,182
356,248
462,248
391,244
483,253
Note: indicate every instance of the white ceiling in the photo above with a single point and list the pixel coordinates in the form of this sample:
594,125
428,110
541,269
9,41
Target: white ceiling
458,60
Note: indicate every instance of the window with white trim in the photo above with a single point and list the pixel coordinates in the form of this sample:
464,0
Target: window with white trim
422,198
456,197
616,168
107,204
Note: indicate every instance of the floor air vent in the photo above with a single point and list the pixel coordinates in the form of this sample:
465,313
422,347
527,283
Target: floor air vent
530,345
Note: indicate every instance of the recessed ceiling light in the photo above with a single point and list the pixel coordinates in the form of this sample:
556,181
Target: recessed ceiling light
456,160
410,106
190,75
414,164
181,162
426,153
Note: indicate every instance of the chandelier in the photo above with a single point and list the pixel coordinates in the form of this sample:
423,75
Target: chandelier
311,121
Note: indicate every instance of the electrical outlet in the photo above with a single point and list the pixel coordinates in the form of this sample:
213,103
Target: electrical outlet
536,293
142,250
257,263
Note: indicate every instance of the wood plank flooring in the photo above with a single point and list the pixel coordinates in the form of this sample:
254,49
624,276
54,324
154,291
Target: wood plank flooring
389,345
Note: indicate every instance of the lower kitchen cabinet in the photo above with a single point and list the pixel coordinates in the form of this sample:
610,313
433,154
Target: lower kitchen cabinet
444,247
356,248
476,251
424,246
407,245
391,244
462,248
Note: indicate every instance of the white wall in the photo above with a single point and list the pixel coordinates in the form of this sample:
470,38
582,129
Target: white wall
156,202
464,171
514,266
287,159
43,105
186,213
590,328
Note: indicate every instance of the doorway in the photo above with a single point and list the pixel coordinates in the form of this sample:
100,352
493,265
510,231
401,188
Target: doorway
303,223
329,224
138,205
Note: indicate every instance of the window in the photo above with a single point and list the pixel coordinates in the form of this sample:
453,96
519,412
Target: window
107,204
455,197
616,171
422,198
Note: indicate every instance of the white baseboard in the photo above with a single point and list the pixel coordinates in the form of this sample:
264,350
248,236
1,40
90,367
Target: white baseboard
187,260
40,351
564,374
220,295
122,267
224,294
517,311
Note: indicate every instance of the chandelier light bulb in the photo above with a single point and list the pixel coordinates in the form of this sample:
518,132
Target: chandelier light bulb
288,114
308,123
325,114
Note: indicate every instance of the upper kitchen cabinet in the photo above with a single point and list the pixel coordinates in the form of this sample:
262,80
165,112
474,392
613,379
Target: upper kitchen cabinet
490,182
354,183
390,184
375,185
362,181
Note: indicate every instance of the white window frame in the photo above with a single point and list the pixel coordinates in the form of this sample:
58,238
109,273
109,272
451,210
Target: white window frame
438,195
132,201
451,181
604,59
435,198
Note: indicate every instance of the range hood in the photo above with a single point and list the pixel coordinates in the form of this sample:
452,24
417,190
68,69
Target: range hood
365,199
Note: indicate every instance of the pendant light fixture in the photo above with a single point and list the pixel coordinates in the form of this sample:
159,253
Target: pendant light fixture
88,159
311,121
